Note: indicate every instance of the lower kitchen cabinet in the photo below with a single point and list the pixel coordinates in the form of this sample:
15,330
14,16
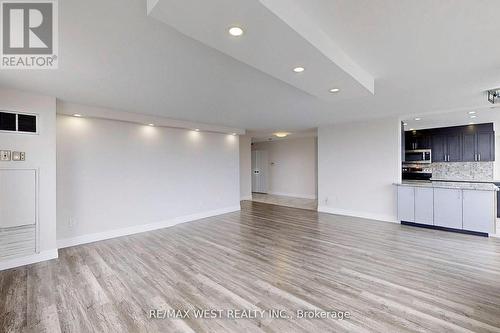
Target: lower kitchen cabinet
448,208
424,205
479,210
406,204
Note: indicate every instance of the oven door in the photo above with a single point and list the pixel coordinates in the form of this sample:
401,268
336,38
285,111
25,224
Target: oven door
421,156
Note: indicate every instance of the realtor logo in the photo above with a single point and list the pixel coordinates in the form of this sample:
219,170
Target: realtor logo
29,34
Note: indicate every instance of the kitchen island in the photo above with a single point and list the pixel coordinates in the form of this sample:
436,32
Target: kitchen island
466,207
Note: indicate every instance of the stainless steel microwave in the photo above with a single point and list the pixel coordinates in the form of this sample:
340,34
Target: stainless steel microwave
418,156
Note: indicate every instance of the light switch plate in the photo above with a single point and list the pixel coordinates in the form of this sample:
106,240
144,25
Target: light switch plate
16,155
4,155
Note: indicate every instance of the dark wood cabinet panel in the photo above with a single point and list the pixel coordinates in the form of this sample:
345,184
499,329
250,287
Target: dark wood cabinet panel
485,146
455,144
469,147
454,147
439,148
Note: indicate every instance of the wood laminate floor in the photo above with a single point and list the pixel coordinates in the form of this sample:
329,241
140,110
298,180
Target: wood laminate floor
281,200
391,278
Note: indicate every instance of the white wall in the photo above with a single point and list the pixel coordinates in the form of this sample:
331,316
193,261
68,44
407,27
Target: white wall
245,167
293,166
116,178
357,164
40,154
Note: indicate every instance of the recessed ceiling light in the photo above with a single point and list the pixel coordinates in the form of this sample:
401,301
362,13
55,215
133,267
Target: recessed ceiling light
281,134
417,119
299,69
151,124
233,134
334,90
472,112
77,115
405,124
412,129
472,117
235,31
471,123
197,129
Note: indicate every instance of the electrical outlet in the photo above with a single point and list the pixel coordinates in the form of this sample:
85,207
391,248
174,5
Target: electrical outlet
23,156
72,222
4,155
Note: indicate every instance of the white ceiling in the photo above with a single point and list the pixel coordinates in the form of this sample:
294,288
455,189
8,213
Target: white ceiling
425,56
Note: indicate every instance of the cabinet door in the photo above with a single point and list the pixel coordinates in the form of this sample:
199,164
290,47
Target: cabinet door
469,147
448,208
438,148
406,204
454,147
485,146
17,198
423,141
424,202
479,211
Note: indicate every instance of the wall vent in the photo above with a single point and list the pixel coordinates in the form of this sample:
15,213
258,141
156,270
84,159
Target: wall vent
18,122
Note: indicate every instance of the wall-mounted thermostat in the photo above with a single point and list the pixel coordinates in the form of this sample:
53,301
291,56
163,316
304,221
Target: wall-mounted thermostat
4,155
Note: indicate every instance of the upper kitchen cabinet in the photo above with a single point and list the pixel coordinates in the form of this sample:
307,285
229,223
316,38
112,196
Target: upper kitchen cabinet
439,148
456,144
485,143
478,144
417,140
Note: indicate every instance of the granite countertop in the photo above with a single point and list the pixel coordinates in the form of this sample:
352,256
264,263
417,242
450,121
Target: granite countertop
479,186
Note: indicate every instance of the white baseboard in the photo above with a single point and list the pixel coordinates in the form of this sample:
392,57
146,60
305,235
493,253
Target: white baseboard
31,259
363,215
294,195
90,238
246,198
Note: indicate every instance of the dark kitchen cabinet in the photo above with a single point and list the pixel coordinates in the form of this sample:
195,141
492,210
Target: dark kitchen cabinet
469,147
454,147
439,148
485,143
456,144
417,140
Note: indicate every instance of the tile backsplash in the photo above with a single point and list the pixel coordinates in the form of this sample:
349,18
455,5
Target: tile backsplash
479,171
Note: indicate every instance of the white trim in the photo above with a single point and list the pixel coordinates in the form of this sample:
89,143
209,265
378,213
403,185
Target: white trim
90,238
248,197
363,215
294,195
31,259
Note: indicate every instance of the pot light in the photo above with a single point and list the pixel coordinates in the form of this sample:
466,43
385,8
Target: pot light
471,123
233,134
417,119
151,124
235,31
412,129
334,90
472,112
77,115
299,69
405,124
472,117
197,129
281,134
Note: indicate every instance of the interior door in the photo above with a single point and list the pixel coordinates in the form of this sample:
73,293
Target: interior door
260,171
